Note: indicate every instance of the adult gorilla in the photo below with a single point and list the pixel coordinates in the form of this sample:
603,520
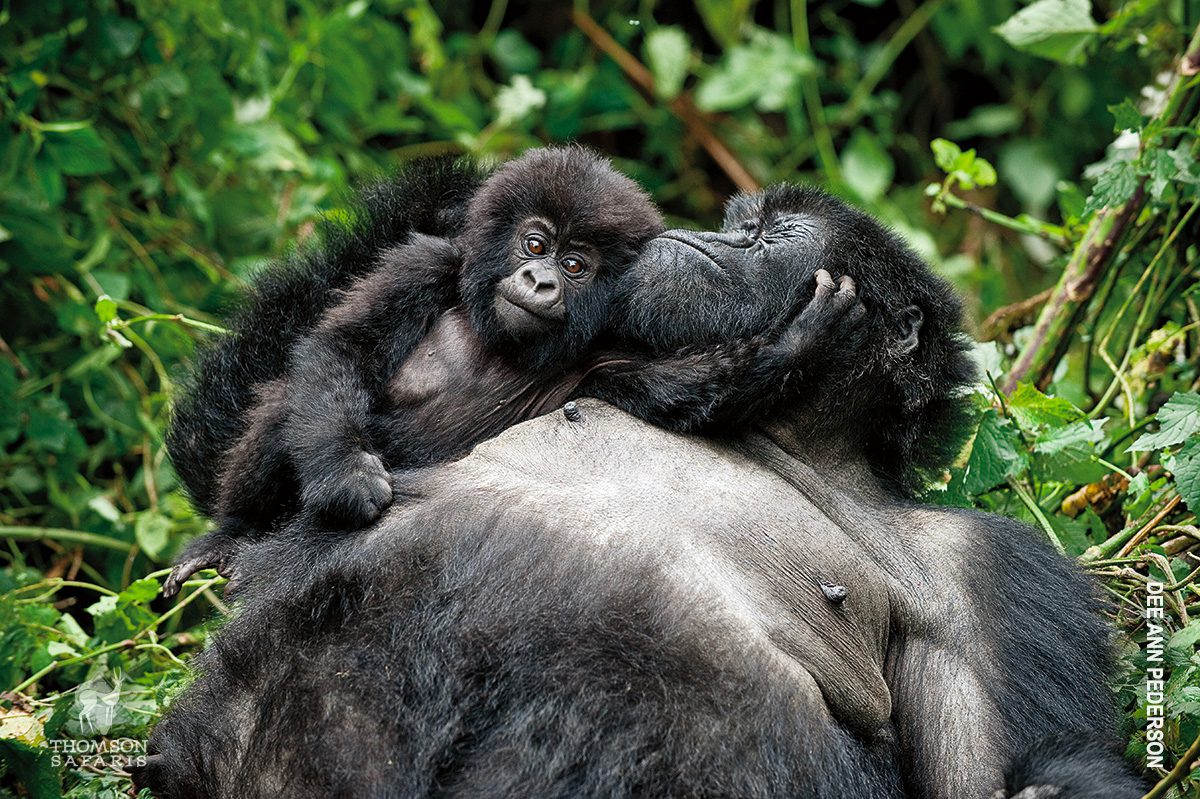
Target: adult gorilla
591,606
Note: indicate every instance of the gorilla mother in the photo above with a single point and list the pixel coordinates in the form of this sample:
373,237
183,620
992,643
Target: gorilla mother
591,606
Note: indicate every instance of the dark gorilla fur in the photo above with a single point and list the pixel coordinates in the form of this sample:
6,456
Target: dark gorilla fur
589,606
284,302
505,635
904,405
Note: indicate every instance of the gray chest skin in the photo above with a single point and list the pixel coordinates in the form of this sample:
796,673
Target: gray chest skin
452,388
753,553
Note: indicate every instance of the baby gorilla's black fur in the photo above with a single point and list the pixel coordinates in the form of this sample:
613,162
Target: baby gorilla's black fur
443,344
285,301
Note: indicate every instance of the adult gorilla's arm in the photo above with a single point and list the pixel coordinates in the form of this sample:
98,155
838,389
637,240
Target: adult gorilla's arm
1014,677
736,382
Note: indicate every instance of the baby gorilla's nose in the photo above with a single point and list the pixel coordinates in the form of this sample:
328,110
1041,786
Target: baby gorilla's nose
538,279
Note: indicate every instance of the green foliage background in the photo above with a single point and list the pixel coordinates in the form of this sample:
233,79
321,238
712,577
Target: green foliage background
1042,156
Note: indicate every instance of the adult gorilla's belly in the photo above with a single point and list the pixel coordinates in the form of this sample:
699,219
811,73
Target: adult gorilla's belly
728,540
592,608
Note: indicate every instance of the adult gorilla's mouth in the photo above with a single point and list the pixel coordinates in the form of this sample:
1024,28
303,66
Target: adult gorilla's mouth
666,245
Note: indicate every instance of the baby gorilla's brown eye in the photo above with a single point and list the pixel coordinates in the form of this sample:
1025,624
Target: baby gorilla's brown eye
534,245
573,266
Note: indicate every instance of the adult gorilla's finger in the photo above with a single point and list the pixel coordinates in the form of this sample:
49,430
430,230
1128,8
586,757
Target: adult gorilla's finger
825,282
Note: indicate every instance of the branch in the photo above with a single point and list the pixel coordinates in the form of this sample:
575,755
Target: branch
682,106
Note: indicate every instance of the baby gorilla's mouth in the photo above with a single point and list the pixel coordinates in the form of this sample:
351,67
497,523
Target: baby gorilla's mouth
518,319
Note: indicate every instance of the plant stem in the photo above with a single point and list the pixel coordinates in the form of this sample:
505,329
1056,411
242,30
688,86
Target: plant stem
19,533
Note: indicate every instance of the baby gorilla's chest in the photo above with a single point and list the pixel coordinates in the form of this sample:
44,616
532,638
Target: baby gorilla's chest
451,392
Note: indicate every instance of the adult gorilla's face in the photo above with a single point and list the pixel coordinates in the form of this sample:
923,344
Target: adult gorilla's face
740,281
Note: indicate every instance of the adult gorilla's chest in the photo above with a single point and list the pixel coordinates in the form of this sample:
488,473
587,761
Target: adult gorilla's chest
738,548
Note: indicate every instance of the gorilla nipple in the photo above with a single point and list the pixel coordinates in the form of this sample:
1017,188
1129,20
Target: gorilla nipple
572,412
836,594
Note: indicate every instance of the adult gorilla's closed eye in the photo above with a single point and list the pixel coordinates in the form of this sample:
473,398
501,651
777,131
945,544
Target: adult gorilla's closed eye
591,606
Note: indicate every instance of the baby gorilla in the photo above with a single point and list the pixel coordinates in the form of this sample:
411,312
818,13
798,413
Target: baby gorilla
445,344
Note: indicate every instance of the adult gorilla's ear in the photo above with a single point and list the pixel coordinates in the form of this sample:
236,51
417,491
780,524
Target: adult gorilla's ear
911,319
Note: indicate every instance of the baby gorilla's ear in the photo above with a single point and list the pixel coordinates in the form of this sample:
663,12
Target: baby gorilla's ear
911,320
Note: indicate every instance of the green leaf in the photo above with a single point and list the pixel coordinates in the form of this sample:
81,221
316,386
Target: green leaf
1178,420
106,308
1187,638
765,72
78,152
667,51
994,456
1186,468
1068,453
945,154
866,166
1034,411
1127,117
1056,29
1114,186
152,531
518,101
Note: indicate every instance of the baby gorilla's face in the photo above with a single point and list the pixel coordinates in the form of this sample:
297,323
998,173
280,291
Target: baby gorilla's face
547,270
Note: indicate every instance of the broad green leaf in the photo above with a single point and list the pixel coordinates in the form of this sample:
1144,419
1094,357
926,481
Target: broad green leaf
994,456
1186,468
1187,638
1056,29
1034,411
78,152
152,531
1067,454
667,52
866,166
1178,420
106,308
766,73
1030,171
945,154
1126,117
513,53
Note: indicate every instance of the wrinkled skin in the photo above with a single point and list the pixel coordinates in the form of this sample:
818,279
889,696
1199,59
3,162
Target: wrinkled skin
601,607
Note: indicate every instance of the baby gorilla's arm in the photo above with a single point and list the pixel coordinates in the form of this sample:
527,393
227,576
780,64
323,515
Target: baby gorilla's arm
734,382
338,375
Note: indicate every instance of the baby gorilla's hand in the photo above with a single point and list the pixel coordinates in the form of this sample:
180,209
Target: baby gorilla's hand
827,323
355,495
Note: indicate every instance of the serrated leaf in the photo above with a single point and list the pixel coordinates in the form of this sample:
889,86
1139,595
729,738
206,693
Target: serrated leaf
1056,29
1187,638
1126,116
1035,411
994,456
667,51
1114,186
765,72
1178,420
1186,468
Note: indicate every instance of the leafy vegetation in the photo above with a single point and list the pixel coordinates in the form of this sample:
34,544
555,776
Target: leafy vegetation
1042,155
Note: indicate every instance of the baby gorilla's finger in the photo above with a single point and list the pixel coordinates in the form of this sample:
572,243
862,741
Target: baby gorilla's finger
846,285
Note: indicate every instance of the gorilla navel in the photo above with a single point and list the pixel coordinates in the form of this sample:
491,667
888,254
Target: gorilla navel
836,594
